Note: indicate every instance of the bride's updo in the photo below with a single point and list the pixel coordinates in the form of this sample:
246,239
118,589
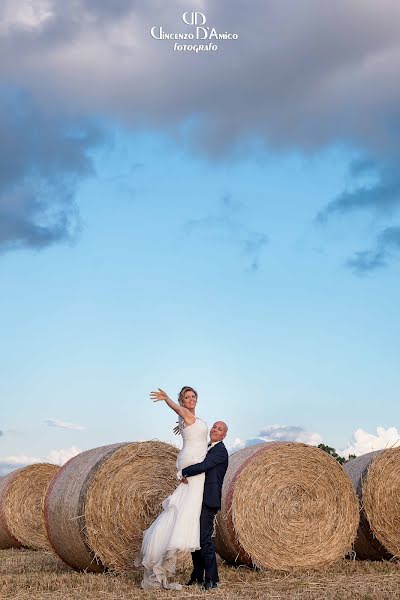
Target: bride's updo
183,391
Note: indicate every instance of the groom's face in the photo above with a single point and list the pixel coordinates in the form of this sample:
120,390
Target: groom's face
218,431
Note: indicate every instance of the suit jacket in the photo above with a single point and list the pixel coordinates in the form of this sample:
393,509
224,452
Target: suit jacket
214,466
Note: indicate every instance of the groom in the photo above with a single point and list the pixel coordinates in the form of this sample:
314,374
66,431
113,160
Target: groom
214,466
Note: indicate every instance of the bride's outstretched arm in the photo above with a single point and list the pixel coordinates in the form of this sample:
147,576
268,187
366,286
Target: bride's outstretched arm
183,412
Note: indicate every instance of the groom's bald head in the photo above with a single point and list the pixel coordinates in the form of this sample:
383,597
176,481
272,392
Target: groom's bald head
218,431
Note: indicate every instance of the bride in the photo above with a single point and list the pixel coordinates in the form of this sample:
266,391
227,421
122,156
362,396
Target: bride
177,528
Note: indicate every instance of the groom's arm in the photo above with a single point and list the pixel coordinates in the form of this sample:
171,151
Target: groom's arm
211,460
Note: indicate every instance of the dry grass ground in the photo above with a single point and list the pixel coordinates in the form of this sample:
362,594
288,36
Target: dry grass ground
30,575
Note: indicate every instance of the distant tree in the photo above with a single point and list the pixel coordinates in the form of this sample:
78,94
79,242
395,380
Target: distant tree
332,452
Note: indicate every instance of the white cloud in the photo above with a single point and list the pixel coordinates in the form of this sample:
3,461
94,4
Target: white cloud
289,433
280,433
238,444
58,457
25,15
64,424
364,442
20,459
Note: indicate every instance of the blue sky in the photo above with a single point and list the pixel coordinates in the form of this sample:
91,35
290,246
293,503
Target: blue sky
244,246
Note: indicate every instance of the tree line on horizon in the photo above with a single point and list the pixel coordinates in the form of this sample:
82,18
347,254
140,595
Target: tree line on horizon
332,452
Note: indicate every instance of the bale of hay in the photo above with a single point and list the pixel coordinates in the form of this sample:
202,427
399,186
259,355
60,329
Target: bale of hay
102,500
7,540
376,479
285,506
22,494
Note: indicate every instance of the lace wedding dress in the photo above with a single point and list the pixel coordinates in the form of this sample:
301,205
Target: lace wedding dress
177,528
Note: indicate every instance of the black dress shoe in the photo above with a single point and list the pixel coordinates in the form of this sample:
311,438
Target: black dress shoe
195,582
210,585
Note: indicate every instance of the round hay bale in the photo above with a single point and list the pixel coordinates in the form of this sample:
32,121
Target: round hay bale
22,494
7,540
102,500
376,479
285,506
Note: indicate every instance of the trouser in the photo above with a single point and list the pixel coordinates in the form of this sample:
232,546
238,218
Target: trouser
204,560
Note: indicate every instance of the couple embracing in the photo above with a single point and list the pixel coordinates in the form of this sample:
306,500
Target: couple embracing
187,520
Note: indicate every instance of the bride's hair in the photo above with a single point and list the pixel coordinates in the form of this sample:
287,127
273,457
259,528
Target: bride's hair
181,396
183,391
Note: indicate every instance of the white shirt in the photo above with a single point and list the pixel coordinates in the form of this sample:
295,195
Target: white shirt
213,444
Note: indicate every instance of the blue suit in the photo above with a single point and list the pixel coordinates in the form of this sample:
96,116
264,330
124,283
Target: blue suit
214,466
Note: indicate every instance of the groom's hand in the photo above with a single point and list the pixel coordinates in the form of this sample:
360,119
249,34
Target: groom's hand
184,480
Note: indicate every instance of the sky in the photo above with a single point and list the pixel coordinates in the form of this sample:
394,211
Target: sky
223,215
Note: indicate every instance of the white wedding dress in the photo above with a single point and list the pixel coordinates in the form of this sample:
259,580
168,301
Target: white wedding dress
177,528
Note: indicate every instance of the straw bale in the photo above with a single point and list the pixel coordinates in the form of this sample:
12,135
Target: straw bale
22,494
102,500
376,479
7,540
285,506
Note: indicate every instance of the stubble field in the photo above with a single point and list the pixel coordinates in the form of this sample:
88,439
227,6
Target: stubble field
26,575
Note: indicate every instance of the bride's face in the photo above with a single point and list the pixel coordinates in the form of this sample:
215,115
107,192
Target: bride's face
189,400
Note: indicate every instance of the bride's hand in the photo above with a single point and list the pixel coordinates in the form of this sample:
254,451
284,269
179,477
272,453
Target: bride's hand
157,396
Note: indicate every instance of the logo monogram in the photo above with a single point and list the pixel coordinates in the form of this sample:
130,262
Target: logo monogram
194,18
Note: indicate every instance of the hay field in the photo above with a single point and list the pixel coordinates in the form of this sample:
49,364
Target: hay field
26,575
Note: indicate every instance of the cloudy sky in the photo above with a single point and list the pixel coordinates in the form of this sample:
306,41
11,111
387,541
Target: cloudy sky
226,219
